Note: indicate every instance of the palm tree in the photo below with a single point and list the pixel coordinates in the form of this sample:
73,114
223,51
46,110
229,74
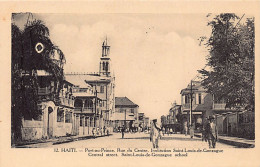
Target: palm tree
32,50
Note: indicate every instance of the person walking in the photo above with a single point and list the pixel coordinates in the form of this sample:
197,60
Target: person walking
94,133
123,131
212,133
155,134
192,127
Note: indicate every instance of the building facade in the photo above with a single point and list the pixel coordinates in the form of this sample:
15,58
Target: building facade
99,101
196,99
126,114
56,118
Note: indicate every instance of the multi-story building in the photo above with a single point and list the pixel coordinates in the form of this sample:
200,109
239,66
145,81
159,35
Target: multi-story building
126,113
229,121
56,108
201,105
102,85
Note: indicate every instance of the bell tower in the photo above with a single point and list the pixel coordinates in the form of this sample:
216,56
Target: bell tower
104,67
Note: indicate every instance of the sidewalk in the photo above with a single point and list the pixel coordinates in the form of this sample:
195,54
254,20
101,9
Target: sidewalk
54,141
235,141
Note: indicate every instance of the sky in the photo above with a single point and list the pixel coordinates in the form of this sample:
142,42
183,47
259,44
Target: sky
153,56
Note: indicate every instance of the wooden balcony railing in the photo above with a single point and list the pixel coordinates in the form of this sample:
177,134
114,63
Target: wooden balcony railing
85,110
67,102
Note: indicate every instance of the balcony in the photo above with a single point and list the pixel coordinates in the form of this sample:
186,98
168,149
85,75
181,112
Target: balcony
86,110
67,102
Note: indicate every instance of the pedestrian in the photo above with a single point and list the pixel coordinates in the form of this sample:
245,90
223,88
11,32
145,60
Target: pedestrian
185,128
204,134
163,131
107,132
192,127
212,133
104,130
123,131
155,134
94,132
171,131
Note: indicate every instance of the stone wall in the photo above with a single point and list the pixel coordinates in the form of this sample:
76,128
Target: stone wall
32,130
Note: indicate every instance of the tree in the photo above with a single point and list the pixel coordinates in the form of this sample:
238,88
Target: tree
232,75
25,63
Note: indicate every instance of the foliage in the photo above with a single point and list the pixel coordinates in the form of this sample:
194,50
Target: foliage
231,48
25,63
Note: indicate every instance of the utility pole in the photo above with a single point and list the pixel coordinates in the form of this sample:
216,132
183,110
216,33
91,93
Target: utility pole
125,118
191,94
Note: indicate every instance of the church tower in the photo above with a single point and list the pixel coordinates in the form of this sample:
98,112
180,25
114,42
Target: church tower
104,67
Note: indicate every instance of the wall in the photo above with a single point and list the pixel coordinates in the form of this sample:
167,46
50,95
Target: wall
32,130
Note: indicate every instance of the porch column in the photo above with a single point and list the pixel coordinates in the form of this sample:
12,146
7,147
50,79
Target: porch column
83,123
64,115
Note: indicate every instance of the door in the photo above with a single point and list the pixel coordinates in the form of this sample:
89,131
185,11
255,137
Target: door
50,122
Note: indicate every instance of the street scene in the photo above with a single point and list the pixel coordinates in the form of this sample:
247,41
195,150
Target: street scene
133,81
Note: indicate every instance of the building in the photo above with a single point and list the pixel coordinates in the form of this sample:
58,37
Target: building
56,107
201,105
126,113
229,121
100,100
233,122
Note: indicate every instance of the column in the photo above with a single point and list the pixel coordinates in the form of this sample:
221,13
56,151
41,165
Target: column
83,124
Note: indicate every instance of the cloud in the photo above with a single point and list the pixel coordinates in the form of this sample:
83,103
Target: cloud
151,67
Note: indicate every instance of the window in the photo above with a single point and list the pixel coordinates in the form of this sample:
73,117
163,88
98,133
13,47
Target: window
81,121
187,99
101,89
199,98
60,115
86,121
104,66
132,110
68,117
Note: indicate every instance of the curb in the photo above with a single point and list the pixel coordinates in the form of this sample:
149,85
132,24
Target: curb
78,138
232,142
57,142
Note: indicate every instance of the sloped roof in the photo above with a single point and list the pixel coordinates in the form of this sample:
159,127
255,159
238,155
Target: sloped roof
196,86
88,77
77,80
124,101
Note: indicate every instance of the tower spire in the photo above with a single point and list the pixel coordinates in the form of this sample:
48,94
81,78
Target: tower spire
105,59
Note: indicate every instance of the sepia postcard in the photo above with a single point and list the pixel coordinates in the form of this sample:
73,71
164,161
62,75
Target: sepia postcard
129,83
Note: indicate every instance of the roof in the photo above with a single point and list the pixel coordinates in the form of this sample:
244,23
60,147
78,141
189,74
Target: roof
196,86
83,94
77,80
89,78
124,101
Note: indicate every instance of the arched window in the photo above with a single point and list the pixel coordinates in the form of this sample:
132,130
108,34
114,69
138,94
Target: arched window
78,103
106,66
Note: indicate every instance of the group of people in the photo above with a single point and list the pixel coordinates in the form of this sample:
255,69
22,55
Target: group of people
209,133
100,131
